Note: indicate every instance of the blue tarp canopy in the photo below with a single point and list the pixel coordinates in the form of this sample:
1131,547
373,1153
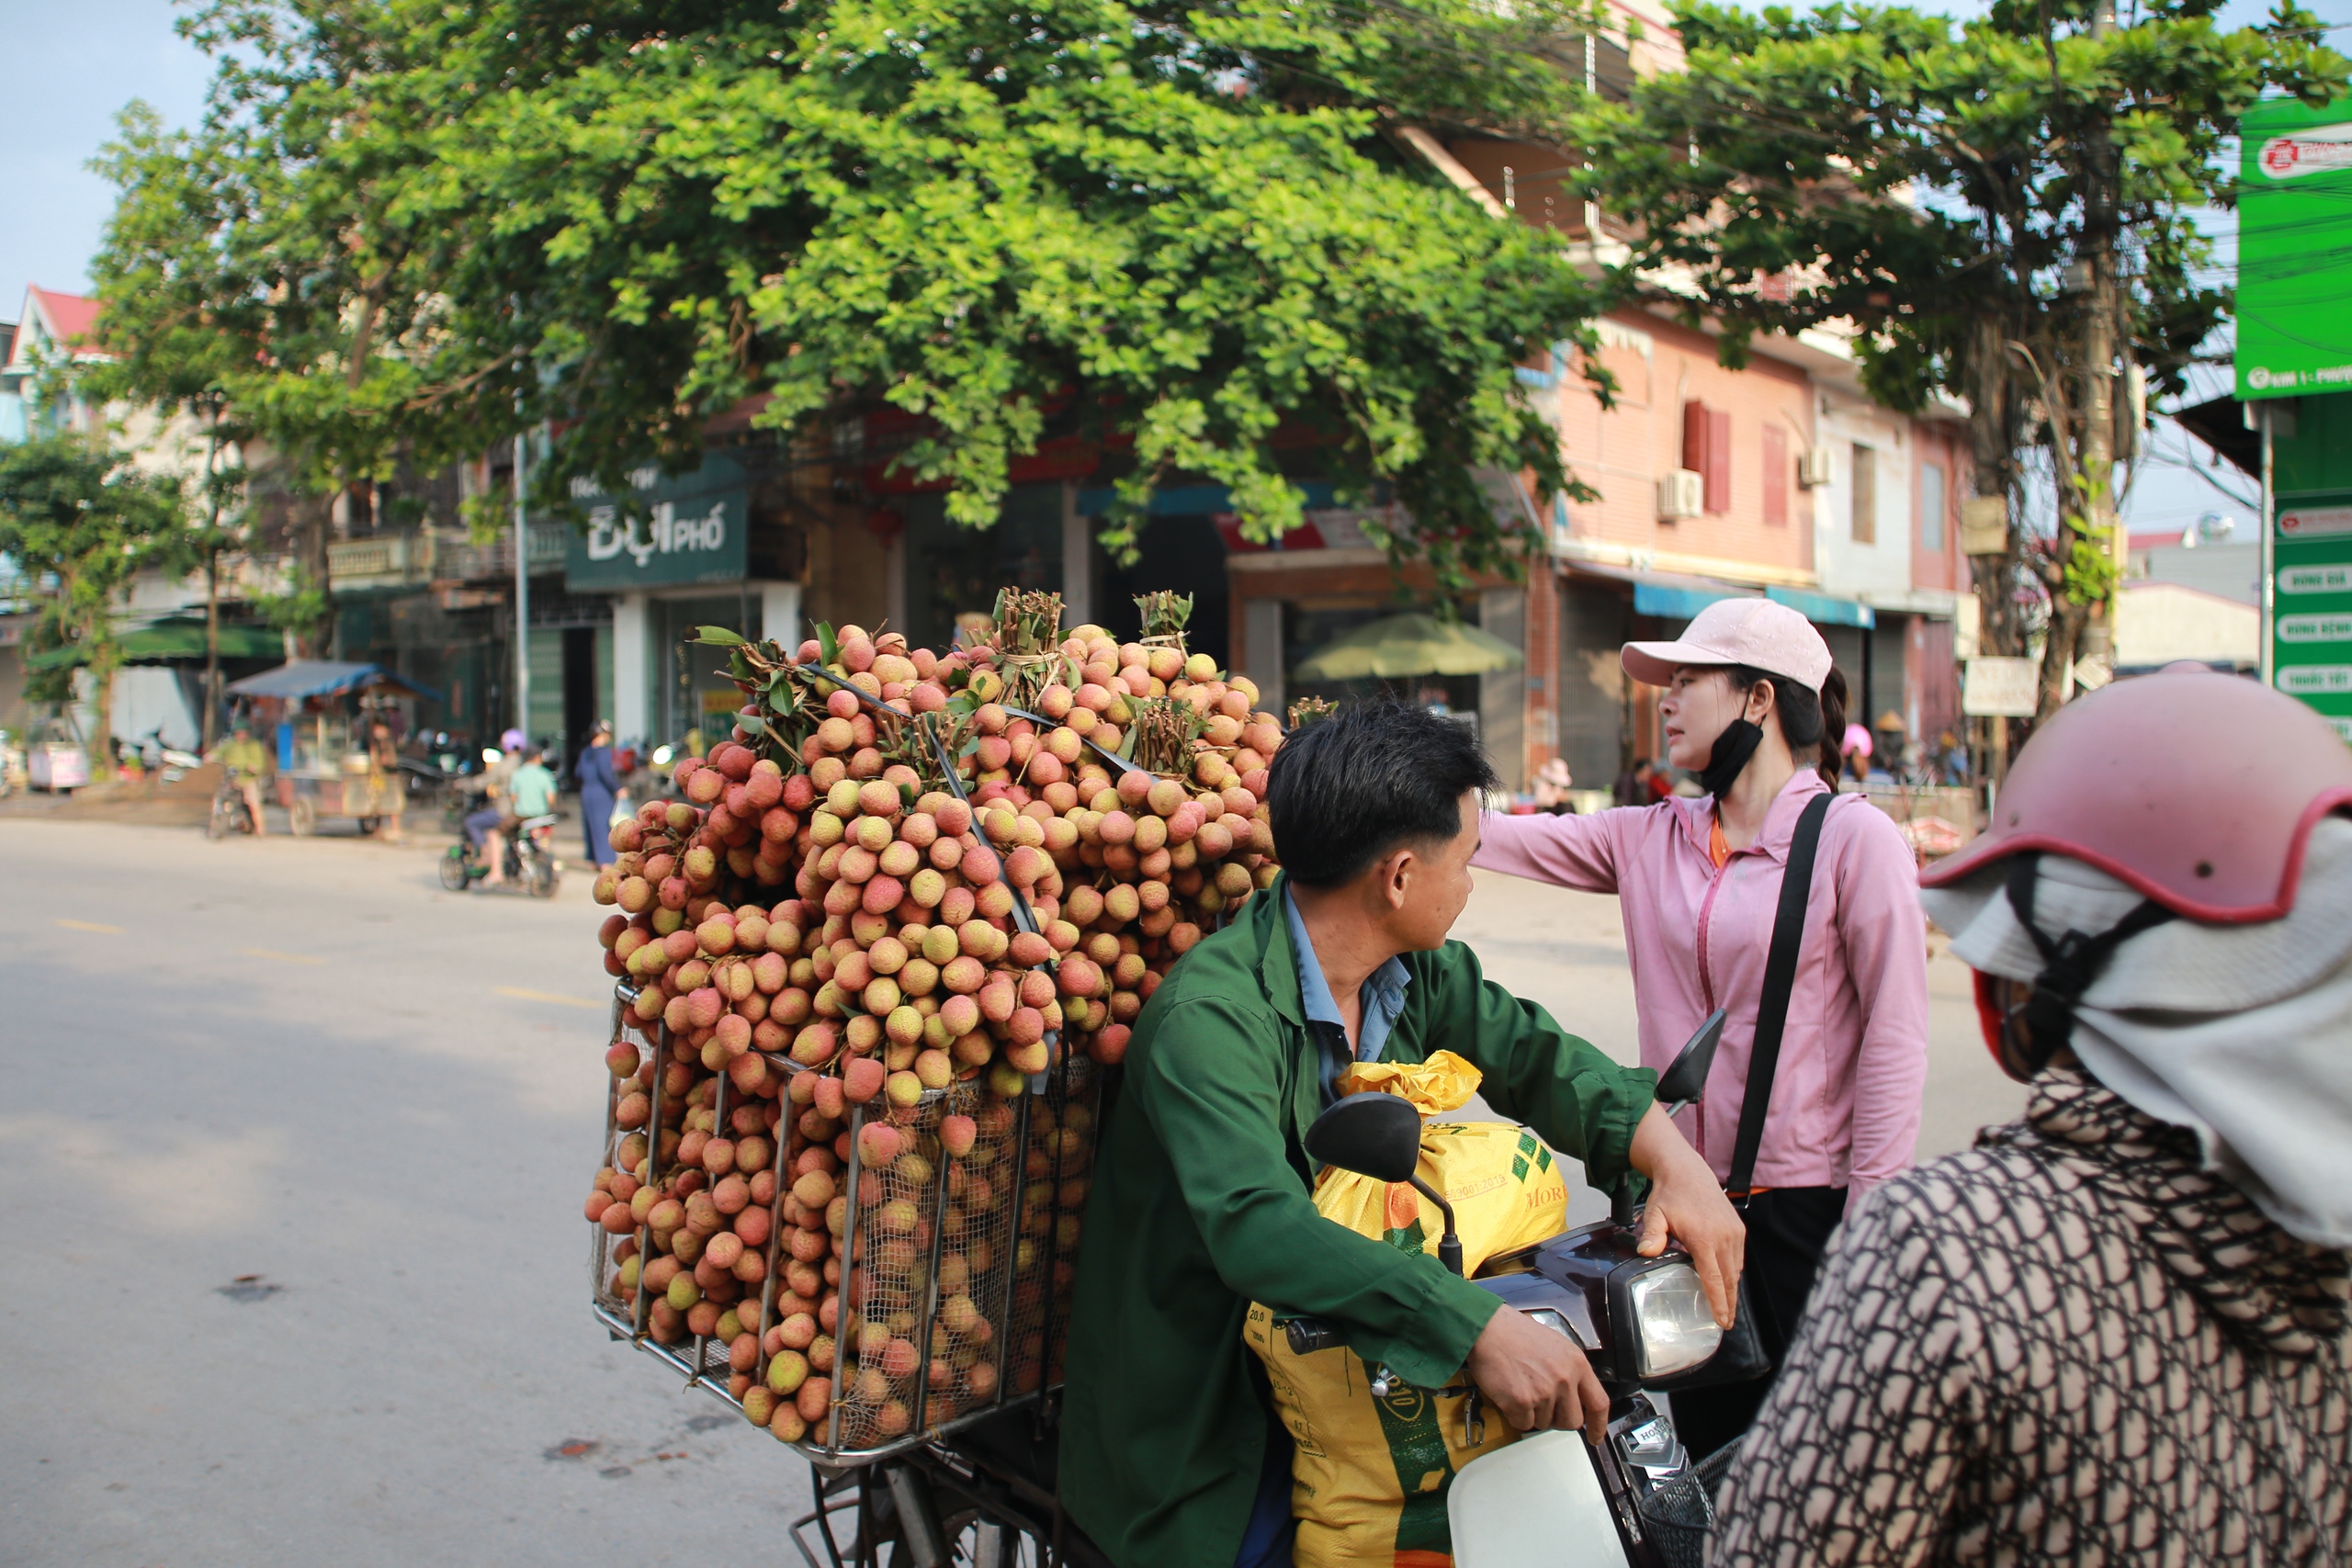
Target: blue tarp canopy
302,678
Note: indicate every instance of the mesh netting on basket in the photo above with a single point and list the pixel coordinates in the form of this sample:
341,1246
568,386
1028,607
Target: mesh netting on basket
1057,1167
1680,1515
933,1266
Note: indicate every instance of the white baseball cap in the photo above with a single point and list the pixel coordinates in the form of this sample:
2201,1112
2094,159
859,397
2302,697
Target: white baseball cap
1759,633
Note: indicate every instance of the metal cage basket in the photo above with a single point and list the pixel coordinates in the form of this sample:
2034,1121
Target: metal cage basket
946,1313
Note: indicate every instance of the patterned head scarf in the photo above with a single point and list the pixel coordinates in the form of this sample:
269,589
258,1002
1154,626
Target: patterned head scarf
2241,1034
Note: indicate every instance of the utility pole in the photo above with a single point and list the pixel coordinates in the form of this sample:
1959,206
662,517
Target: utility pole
522,598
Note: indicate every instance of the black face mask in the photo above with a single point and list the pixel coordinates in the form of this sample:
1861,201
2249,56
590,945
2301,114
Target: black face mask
1733,747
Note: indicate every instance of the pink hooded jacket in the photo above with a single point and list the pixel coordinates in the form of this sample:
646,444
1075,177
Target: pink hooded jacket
1854,1065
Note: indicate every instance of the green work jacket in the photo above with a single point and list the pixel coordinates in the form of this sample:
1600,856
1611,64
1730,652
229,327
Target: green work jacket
1201,1205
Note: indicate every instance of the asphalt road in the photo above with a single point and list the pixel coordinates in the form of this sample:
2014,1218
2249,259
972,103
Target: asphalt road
294,1145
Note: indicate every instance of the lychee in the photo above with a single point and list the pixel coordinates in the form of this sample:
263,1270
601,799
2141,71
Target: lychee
956,1134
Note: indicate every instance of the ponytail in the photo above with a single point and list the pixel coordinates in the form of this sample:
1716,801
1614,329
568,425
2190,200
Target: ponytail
1832,760
1807,719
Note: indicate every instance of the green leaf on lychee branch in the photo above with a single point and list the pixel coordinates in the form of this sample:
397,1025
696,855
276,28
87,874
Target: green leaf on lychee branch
750,724
719,637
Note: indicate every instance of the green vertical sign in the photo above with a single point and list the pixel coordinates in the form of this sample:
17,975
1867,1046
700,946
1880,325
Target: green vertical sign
2310,639
2294,299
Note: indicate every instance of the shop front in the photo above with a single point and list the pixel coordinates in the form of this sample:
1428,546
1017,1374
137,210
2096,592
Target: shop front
676,554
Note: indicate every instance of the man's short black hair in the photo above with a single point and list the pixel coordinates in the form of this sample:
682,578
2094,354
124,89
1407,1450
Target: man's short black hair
1346,791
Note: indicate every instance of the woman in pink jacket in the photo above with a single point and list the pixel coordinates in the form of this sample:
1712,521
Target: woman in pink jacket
1751,694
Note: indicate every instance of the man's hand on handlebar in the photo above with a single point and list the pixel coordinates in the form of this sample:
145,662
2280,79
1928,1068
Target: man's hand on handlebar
1688,1203
1537,1376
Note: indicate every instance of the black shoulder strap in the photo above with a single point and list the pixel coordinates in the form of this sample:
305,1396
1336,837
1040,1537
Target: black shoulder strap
1780,978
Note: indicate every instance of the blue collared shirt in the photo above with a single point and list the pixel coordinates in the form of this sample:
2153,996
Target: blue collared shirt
1383,998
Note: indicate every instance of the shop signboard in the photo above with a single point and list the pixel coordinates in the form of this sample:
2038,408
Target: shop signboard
670,531
2310,639
2294,299
1999,688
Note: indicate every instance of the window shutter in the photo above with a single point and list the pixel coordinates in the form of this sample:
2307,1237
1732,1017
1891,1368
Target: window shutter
1694,437
1776,477
1718,468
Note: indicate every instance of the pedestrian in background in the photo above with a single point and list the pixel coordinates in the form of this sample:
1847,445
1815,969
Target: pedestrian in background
489,821
1756,708
1552,781
387,788
599,787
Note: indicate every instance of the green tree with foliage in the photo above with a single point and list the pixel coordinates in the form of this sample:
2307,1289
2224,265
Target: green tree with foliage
80,523
1186,231
2005,211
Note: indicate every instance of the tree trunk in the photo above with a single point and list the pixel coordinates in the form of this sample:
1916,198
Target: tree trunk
313,573
2058,652
212,589
211,647
102,669
1990,452
2089,495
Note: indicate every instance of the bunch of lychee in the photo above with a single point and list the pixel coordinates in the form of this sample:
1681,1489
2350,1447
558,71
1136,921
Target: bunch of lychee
841,955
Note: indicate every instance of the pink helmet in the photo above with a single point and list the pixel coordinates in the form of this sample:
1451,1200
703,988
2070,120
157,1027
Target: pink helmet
2198,789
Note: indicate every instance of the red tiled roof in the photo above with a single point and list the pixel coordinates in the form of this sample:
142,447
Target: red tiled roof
71,316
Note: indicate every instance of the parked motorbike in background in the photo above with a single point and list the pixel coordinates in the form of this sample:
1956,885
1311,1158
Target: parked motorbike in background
155,756
529,849
1644,1323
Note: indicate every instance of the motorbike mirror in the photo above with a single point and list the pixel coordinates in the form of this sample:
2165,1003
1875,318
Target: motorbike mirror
1379,1135
1373,1135
1683,1083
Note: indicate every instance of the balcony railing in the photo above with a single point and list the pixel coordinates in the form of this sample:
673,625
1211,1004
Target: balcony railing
441,555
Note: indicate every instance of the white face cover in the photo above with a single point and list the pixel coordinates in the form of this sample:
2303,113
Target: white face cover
2241,1033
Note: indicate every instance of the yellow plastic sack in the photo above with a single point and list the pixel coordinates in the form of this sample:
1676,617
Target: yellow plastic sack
1370,1479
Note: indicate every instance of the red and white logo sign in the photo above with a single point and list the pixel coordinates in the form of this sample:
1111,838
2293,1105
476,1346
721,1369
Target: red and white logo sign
2325,149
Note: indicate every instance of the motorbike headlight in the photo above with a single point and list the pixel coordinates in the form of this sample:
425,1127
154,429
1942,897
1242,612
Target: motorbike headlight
1672,1324
661,755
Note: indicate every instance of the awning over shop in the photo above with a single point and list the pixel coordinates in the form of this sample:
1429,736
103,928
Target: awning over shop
1398,645
2220,422
1670,594
1677,596
1822,609
303,678
175,640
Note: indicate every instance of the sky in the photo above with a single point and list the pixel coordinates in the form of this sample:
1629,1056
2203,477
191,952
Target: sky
74,64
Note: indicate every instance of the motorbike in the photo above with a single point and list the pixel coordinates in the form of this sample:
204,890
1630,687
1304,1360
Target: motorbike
987,1495
531,861
157,756
1643,1323
231,812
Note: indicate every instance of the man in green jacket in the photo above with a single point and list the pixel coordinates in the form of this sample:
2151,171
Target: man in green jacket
1170,1453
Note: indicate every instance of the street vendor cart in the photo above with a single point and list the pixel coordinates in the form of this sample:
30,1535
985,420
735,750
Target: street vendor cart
323,763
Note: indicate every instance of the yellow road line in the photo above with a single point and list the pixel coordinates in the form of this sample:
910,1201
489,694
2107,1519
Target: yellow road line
280,957
521,995
88,926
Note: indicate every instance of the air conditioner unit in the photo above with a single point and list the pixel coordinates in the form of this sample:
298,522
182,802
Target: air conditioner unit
1813,467
1682,493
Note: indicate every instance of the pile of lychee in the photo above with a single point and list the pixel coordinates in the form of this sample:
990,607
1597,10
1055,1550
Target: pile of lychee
840,956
